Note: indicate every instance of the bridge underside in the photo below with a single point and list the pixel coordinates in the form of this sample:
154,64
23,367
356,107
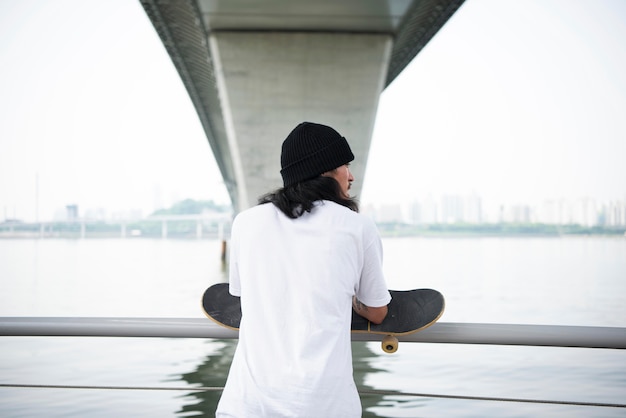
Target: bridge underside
255,70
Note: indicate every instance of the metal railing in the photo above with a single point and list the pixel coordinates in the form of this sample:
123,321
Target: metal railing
440,333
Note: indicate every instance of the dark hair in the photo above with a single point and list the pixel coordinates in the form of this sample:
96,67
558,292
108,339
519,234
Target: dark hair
298,198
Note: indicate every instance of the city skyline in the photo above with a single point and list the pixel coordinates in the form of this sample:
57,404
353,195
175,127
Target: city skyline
472,209
487,106
444,208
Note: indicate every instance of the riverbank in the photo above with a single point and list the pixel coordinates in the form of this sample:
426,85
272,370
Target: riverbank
188,230
501,229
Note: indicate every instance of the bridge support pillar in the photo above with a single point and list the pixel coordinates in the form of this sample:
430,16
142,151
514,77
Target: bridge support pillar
268,82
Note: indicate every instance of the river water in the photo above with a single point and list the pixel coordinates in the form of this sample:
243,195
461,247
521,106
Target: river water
538,280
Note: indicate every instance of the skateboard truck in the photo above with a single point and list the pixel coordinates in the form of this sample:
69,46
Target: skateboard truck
390,344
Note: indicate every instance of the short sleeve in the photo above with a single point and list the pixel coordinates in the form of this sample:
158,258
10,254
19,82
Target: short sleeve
372,289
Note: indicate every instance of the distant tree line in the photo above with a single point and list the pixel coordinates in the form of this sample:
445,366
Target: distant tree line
193,207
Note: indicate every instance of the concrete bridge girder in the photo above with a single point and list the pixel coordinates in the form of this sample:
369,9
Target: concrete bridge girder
309,60
268,82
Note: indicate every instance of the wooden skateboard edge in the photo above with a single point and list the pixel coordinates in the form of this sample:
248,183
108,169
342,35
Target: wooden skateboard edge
221,324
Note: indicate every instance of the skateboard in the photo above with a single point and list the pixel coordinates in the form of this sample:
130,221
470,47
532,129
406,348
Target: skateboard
409,311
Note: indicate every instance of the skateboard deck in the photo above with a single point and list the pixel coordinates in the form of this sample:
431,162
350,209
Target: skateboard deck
409,311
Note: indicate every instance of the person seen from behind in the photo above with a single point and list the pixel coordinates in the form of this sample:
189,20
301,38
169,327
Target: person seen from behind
301,261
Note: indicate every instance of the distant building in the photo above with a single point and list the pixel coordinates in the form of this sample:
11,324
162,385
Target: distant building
584,212
71,212
425,211
451,209
613,213
521,214
473,212
390,213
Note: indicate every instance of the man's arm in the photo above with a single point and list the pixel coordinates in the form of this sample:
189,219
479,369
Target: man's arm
375,315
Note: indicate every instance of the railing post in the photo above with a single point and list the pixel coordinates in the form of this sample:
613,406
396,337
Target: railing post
199,229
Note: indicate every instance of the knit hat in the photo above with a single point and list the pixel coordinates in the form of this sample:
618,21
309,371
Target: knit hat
312,149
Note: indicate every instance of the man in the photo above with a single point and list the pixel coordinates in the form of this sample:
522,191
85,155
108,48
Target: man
301,261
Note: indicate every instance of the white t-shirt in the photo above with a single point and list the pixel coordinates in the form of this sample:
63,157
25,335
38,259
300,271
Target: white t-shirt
296,279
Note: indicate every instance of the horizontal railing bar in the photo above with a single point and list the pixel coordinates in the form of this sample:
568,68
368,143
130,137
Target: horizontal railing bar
522,334
441,332
113,327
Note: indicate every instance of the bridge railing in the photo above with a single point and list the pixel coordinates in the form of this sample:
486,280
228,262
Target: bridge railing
158,225
441,332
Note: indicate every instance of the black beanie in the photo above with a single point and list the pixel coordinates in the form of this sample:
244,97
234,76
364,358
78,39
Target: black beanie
312,149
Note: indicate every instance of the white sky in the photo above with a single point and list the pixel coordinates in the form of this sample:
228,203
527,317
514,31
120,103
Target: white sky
515,100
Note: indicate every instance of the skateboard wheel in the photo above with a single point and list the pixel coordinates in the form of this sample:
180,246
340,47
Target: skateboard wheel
390,344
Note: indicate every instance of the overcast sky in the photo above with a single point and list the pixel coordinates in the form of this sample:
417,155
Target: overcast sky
514,100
